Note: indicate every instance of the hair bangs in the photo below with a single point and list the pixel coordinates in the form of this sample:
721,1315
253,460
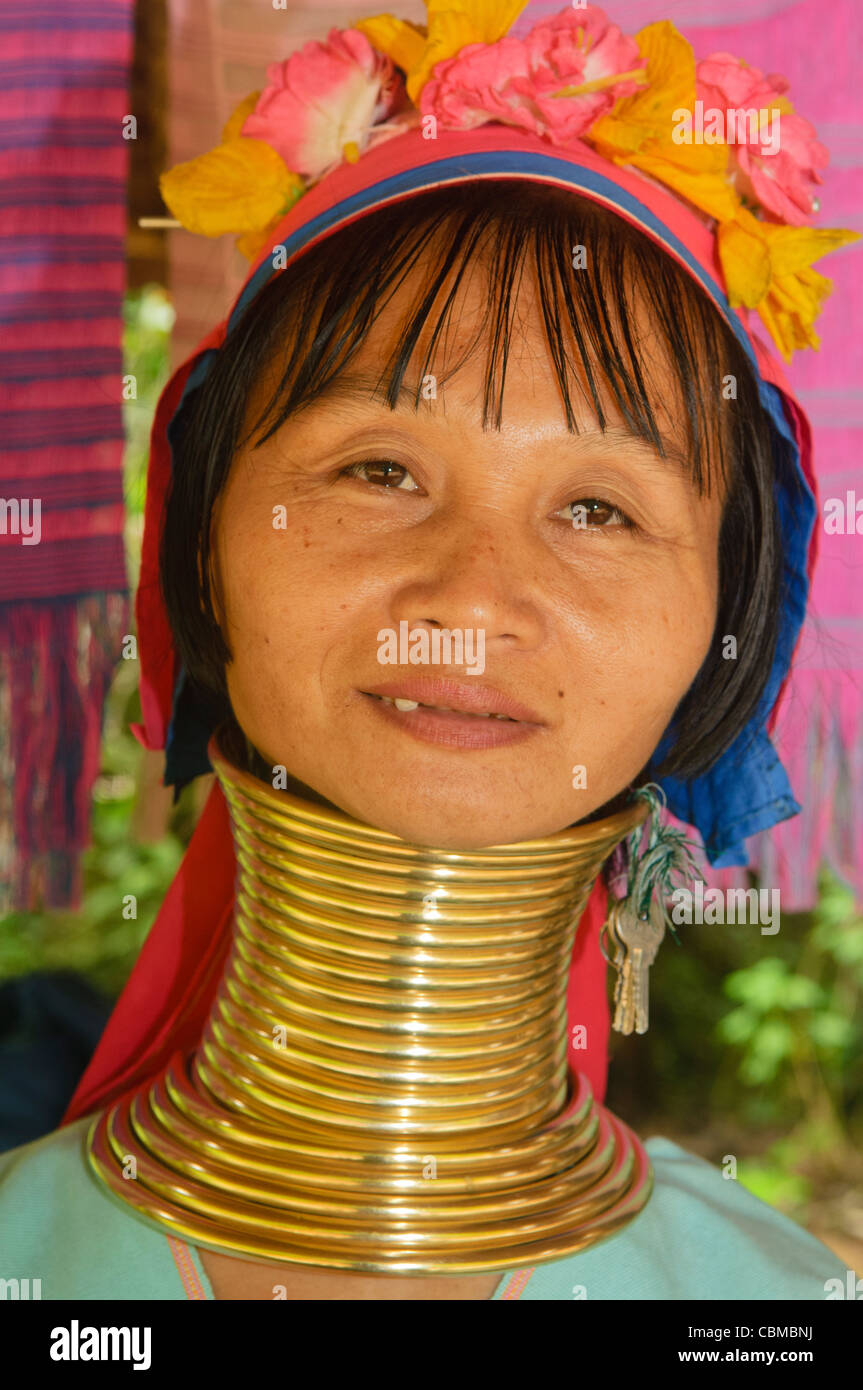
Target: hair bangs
591,314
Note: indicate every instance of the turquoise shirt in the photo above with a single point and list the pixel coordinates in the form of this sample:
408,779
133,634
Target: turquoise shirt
700,1236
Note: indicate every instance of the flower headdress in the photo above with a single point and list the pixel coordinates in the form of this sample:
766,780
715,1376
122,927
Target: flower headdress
638,101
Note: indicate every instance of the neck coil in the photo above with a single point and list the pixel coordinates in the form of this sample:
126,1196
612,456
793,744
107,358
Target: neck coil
382,1082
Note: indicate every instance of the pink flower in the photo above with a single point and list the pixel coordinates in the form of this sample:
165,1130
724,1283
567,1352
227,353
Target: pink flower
513,80
323,97
782,182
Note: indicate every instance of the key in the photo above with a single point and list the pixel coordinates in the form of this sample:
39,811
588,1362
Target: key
641,938
617,947
654,930
617,944
623,981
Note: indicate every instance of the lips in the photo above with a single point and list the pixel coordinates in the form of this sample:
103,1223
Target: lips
408,706
483,701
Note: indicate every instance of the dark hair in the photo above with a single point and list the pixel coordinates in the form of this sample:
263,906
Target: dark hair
319,310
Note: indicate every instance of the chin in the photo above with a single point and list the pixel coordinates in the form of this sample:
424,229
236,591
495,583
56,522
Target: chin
475,829
445,836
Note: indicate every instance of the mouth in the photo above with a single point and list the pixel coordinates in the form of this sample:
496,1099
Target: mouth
405,706
441,717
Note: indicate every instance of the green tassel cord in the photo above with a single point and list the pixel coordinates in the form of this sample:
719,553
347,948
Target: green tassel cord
667,854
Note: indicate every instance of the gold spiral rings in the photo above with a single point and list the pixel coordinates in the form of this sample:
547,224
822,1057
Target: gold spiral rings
382,1082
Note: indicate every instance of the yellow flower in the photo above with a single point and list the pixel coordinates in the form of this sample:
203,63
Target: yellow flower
647,115
234,123
767,267
639,131
240,186
251,244
451,24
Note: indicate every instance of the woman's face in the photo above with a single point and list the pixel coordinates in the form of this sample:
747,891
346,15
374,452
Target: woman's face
353,519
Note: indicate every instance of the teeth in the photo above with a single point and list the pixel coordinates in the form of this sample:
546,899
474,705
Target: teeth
405,705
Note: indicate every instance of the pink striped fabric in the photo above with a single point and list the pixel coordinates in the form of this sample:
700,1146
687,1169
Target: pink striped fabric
63,165
189,1277
517,1283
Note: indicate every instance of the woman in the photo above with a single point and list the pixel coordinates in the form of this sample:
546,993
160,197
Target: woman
482,407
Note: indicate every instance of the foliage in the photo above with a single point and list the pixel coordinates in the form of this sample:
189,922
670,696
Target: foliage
148,317
99,941
794,1023
755,1047
796,1030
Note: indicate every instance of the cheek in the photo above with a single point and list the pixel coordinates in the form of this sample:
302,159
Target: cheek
674,621
638,641
285,601
674,639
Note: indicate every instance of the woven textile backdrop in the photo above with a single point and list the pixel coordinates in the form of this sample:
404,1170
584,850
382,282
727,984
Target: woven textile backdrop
220,49
64,98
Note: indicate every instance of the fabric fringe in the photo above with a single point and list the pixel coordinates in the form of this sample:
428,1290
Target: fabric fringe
819,737
57,660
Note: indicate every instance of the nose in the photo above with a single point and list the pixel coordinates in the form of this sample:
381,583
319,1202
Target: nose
478,575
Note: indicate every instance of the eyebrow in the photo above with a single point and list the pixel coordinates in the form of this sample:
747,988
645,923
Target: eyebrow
345,389
348,385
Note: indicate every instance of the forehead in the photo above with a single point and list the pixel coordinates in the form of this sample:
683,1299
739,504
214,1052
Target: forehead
453,320
447,336
447,339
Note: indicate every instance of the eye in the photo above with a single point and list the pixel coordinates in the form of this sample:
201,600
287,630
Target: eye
384,472
594,513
